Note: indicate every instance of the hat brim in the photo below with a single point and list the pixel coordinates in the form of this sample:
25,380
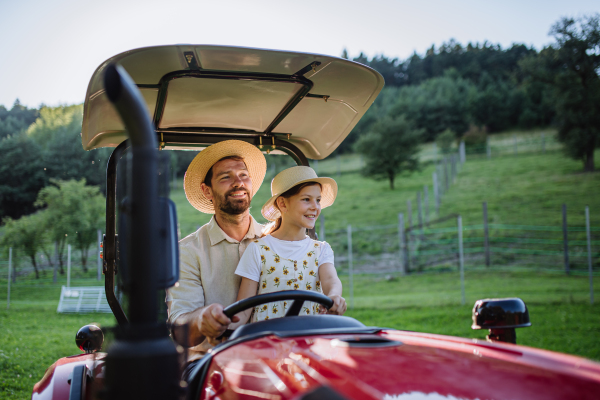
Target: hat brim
328,194
196,173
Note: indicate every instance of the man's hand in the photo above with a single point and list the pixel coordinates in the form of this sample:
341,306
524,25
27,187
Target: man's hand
213,322
338,307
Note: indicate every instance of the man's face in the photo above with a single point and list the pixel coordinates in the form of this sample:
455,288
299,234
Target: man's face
231,189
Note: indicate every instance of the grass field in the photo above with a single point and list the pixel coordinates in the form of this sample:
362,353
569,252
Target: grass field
34,336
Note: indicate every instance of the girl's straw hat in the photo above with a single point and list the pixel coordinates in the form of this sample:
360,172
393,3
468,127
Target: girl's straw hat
196,172
291,177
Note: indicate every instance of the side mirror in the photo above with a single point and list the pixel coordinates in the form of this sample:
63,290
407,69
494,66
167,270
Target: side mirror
168,261
501,317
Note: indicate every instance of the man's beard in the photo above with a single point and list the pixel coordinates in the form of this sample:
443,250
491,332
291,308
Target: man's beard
232,206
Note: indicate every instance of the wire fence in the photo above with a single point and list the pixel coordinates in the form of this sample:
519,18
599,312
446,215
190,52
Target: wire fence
391,249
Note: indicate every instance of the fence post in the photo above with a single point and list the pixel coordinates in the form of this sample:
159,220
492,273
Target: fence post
463,154
486,235
488,148
589,251
339,167
322,227
436,193
446,173
461,260
401,243
9,276
316,166
543,142
55,262
420,209
565,239
98,254
426,194
69,265
409,212
350,267
515,143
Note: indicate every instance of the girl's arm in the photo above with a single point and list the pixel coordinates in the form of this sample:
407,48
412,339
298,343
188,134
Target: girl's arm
248,288
332,288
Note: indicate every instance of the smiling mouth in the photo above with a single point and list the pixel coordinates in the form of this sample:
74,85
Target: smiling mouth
238,194
311,216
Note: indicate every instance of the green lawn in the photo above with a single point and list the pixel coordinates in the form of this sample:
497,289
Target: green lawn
34,335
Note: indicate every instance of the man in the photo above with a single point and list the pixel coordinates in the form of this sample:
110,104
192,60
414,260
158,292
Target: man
221,180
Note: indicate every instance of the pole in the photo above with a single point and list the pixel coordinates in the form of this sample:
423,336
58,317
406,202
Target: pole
420,209
9,276
463,152
316,166
436,194
486,234
488,149
401,243
461,260
322,227
55,262
589,251
350,266
565,239
98,254
69,266
409,213
543,143
339,166
446,177
426,194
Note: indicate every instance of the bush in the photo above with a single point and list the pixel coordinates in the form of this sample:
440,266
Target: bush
444,141
475,139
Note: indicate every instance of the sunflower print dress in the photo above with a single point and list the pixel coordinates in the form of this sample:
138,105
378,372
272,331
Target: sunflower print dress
278,273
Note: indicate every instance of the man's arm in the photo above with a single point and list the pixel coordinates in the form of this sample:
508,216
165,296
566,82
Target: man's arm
192,320
205,322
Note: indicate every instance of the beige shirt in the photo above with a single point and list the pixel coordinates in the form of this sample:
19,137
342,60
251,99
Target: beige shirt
207,262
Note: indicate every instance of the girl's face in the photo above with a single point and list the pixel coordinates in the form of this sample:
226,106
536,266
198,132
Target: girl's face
302,209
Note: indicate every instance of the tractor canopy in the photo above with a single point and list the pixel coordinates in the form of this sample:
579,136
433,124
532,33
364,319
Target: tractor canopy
311,101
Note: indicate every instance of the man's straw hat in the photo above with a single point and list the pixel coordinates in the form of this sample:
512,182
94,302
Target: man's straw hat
291,177
196,172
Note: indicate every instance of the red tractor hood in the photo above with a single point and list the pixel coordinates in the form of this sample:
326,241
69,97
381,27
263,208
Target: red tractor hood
397,365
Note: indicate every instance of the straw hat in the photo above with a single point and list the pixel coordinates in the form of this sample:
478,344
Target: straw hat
196,172
287,179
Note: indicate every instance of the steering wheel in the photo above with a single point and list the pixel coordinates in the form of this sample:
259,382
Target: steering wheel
299,297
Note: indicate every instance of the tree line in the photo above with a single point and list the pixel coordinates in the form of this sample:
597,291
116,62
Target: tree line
482,88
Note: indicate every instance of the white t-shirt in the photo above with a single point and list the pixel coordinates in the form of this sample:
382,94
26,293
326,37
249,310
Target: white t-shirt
250,263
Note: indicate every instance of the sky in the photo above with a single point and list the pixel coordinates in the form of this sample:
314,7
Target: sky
50,49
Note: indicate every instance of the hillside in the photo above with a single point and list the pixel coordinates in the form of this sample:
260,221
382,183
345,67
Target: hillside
520,189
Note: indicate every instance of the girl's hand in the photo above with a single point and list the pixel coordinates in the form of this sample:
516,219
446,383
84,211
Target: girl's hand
338,307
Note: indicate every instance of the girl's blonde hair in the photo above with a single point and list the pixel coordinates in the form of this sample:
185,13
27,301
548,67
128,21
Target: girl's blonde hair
273,226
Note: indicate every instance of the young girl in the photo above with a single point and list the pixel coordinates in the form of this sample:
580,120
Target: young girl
285,258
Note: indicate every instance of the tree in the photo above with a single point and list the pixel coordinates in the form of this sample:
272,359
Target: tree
58,132
571,68
445,140
25,234
74,213
390,148
22,175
